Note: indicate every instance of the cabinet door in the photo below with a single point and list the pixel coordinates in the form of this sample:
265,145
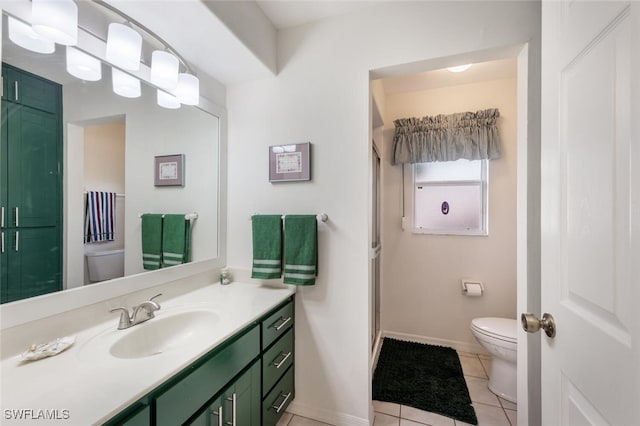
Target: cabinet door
33,264
244,399
33,167
238,405
30,90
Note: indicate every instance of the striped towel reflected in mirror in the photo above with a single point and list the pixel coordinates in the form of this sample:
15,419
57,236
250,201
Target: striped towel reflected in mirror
99,217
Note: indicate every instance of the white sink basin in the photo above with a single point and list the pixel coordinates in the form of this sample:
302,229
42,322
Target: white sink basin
161,334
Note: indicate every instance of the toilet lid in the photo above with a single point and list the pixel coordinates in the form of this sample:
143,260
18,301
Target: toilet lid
499,328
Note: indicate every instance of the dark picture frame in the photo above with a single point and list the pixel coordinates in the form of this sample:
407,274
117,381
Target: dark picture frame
290,163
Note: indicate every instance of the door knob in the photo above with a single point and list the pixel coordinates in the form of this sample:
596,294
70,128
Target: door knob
531,324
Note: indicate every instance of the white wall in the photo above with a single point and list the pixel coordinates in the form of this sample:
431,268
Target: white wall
321,95
421,293
150,131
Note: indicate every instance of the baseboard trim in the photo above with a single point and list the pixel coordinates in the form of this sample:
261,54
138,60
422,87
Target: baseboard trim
326,416
455,344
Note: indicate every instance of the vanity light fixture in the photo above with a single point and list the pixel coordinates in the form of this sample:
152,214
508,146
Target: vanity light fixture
164,70
188,90
124,84
83,66
459,68
166,100
24,36
124,47
56,20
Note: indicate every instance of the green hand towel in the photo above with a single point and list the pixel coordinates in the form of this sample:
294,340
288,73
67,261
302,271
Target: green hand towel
176,238
151,241
300,249
267,246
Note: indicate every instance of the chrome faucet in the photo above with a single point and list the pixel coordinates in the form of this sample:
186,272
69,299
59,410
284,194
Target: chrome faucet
141,313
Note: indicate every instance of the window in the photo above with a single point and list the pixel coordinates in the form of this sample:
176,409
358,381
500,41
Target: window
451,197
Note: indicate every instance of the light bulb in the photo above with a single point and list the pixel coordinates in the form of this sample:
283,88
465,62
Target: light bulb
166,100
124,47
188,90
55,20
83,66
124,84
164,70
24,36
459,68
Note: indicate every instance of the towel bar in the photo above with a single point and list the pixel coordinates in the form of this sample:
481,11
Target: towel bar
189,216
322,217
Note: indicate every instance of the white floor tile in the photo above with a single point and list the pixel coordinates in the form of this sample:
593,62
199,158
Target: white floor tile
405,422
488,416
486,364
472,367
467,354
513,417
479,391
385,420
508,405
285,419
484,356
425,417
386,408
303,421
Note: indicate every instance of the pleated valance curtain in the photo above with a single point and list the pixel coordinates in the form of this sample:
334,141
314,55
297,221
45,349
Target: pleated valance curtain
466,135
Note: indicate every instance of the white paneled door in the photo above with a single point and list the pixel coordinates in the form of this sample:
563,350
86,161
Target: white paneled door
591,212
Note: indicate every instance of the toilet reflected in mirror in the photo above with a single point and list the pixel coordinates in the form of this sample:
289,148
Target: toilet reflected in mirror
105,265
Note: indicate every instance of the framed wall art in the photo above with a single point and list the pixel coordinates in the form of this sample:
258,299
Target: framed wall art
289,163
169,170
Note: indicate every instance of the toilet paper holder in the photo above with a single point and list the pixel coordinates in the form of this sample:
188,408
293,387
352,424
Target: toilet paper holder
467,284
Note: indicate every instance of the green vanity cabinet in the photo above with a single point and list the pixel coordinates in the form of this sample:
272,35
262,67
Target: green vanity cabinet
247,379
186,396
278,342
31,185
239,404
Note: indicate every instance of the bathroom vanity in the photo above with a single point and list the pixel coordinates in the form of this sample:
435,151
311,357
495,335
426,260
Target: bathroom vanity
212,355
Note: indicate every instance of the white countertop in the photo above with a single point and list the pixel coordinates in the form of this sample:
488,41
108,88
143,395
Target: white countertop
85,385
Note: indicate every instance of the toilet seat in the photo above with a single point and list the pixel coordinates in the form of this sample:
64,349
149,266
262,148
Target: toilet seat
504,329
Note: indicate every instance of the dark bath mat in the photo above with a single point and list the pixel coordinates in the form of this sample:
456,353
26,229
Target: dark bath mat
422,376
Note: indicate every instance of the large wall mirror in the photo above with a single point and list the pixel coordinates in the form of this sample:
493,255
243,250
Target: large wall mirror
110,144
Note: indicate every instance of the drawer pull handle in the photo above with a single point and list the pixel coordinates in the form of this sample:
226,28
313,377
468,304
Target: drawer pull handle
283,360
282,324
232,398
17,216
218,413
284,401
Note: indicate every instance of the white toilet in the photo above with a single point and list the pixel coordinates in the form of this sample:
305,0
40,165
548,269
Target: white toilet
498,337
105,265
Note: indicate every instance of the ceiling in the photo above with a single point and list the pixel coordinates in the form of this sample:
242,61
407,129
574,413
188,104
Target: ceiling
291,13
234,33
433,79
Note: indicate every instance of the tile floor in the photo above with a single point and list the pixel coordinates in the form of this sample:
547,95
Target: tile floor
490,409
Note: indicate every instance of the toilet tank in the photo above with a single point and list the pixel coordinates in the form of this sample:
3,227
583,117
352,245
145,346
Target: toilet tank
105,265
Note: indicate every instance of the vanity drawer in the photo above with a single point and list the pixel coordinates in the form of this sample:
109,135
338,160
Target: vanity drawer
276,361
180,401
275,404
277,324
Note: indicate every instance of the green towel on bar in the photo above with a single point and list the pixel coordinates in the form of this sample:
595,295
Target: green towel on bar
176,240
300,249
151,241
267,246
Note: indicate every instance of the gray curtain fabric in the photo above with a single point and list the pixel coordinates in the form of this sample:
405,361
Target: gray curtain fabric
468,135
